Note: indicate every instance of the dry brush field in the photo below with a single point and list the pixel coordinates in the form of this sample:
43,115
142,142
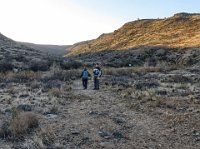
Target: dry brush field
136,107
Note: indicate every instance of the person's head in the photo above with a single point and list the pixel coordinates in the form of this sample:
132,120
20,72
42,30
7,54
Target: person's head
97,65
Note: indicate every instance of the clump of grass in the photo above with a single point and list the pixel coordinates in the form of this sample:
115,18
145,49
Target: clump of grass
12,90
54,110
19,125
47,135
22,123
130,70
62,75
22,76
4,130
35,85
56,92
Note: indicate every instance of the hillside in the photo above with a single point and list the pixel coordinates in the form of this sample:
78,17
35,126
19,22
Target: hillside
59,50
179,31
18,56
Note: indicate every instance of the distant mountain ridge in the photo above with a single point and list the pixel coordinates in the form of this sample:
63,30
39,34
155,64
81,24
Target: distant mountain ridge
58,50
179,31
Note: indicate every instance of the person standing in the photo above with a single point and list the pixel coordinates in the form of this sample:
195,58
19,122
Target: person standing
84,75
97,74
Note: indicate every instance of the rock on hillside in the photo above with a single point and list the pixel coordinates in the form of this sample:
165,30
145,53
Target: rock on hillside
15,55
179,31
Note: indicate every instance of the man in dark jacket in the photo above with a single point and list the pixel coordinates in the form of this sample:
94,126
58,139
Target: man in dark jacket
97,74
84,75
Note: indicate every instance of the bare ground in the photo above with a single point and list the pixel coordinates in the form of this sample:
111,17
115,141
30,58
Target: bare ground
105,118
101,119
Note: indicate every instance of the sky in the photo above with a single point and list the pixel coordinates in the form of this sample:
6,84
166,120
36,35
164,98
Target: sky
65,22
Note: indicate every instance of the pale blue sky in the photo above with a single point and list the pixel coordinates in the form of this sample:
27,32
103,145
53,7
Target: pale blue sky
133,9
71,21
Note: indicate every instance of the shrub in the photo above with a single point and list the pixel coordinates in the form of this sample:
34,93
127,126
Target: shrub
6,66
56,92
23,76
35,85
47,135
22,123
54,110
40,66
72,64
4,130
12,90
62,75
129,70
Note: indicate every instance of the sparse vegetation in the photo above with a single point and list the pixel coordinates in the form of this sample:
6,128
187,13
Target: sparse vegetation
173,32
148,98
20,124
56,92
47,135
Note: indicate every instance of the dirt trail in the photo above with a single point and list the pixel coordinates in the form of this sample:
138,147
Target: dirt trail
101,119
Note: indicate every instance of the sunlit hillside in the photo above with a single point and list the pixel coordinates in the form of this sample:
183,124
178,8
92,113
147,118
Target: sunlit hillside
179,31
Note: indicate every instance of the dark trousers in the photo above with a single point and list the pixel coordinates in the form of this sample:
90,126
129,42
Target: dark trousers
85,82
96,83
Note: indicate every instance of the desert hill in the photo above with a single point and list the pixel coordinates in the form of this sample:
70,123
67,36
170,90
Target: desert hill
16,55
179,31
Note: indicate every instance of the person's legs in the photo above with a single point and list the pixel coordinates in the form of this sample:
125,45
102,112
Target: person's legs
86,83
95,82
83,82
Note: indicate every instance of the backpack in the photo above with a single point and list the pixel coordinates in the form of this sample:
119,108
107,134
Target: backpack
85,74
96,72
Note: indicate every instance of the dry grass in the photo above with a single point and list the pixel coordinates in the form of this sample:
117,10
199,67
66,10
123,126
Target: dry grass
22,123
176,119
129,70
35,85
56,92
54,110
47,135
171,32
12,90
62,75
30,75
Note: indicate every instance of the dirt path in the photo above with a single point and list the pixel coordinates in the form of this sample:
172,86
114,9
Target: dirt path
100,119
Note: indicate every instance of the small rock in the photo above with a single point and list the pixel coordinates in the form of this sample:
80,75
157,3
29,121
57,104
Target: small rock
8,111
51,116
119,120
23,96
118,135
104,135
75,133
24,107
93,113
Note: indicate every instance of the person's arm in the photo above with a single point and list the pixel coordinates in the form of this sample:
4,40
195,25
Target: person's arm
100,73
89,74
81,75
